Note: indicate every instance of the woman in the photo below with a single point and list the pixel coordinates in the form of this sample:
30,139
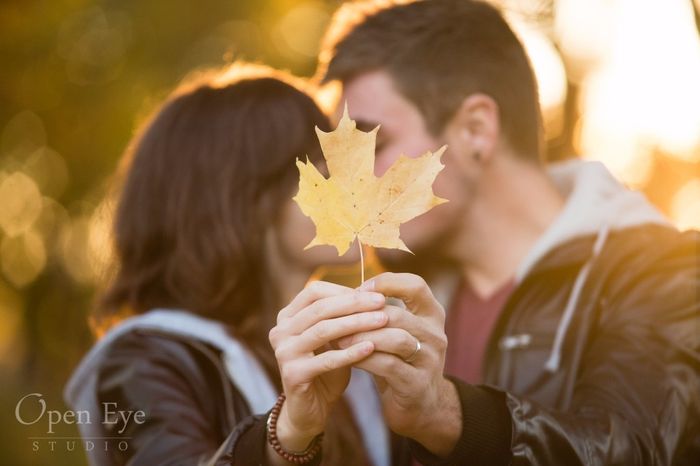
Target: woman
208,248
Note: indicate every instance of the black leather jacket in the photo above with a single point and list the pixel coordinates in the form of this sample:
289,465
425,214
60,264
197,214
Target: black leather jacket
627,387
194,414
626,390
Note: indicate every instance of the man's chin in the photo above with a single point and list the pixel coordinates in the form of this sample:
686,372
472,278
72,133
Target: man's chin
425,258
392,259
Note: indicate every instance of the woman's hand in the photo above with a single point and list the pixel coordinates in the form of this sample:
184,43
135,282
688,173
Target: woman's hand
313,374
409,362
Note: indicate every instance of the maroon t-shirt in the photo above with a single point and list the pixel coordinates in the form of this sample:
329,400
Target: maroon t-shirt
469,325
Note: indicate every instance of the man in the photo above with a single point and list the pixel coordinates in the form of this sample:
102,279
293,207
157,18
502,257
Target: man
573,332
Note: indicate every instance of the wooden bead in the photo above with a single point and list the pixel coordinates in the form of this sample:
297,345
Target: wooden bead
304,457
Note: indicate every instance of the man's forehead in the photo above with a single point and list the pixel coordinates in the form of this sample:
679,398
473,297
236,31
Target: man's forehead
366,117
371,100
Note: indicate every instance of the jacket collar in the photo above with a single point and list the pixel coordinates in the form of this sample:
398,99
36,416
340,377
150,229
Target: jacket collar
595,201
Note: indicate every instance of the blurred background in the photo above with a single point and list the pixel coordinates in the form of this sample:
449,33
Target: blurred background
619,82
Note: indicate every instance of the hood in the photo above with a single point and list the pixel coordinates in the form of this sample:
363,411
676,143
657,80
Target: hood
256,388
595,202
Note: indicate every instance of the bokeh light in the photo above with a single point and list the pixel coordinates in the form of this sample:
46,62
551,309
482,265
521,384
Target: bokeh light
21,203
22,134
584,31
100,238
48,170
685,209
549,71
299,30
645,94
74,251
22,258
93,42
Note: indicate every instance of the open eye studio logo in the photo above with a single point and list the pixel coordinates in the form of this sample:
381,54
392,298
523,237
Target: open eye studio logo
102,428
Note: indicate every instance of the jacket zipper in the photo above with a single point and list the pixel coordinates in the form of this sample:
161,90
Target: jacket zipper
511,342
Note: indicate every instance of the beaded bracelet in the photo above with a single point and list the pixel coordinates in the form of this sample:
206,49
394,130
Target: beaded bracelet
303,457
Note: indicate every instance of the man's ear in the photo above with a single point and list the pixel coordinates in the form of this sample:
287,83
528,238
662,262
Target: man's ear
475,128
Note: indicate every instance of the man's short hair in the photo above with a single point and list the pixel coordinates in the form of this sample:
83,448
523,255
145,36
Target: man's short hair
438,52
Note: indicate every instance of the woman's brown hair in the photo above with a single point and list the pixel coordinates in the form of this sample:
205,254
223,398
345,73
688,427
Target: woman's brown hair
204,180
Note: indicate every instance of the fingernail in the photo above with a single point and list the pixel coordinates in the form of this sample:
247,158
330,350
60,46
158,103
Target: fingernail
379,317
377,298
368,285
367,347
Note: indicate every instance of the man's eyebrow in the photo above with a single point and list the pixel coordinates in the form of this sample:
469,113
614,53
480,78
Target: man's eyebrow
366,126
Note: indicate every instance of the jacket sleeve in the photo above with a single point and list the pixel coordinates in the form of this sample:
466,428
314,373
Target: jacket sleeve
486,430
184,405
636,400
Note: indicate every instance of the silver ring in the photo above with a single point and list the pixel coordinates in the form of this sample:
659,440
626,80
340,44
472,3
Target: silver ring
415,352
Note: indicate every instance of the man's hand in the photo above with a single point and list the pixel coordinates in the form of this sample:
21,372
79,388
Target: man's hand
417,400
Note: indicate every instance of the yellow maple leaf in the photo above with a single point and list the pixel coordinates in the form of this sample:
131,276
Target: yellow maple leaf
352,203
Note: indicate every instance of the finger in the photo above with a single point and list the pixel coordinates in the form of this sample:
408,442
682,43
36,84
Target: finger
322,333
305,370
409,288
417,326
393,370
334,306
313,291
399,318
394,341
404,319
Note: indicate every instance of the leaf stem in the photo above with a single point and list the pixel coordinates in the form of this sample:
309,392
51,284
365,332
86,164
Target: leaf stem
362,262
